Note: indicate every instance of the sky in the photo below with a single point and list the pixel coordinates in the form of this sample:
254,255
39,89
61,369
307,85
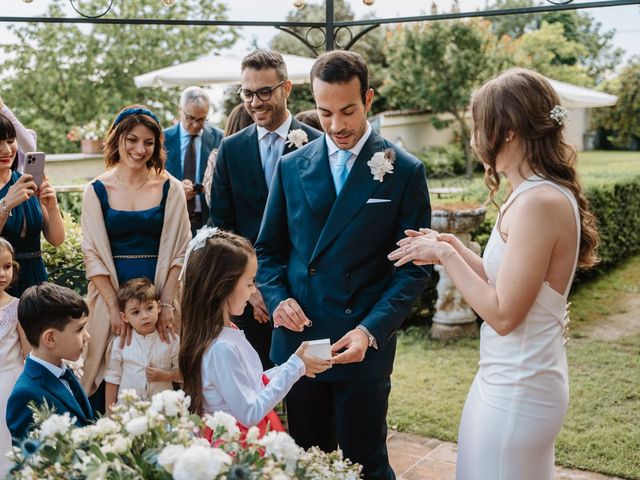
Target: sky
625,19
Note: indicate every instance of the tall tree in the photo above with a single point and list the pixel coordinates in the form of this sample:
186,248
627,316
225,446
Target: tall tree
436,66
59,76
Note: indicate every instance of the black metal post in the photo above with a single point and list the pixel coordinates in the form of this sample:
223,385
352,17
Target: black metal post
329,30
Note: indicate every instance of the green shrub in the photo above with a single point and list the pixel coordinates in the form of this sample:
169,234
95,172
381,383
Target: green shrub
71,202
446,161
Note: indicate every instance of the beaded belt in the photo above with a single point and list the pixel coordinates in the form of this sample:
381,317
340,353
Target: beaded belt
28,255
134,257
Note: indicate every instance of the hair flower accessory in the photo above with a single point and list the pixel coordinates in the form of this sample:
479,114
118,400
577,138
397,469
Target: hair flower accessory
196,243
297,137
559,114
382,163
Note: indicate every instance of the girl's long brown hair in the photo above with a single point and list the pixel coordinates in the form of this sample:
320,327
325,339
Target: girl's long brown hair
520,101
211,276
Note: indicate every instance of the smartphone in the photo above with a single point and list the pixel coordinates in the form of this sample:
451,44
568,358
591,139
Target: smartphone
34,166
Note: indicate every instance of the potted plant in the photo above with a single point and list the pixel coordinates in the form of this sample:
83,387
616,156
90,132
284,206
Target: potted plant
89,135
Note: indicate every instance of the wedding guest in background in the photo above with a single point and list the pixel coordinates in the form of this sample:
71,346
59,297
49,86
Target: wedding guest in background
545,229
189,144
221,371
245,165
238,119
309,117
330,221
147,365
27,211
54,320
13,345
134,224
25,137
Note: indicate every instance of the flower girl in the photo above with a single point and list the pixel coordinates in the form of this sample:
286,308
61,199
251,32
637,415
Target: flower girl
13,345
220,368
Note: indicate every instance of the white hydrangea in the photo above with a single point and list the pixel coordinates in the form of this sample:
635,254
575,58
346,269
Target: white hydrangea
169,455
225,421
282,447
170,402
200,463
56,424
137,426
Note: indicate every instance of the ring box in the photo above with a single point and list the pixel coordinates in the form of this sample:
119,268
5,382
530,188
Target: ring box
320,348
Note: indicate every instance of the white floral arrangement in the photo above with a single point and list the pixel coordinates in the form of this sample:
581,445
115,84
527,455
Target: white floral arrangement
382,163
94,130
297,138
160,440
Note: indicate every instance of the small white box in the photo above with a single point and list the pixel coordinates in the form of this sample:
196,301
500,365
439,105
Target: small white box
320,348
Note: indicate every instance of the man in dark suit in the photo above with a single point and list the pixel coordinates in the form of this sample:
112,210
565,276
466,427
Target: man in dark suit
335,210
53,319
245,165
188,145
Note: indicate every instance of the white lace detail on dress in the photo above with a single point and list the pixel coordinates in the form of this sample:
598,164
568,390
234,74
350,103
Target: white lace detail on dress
8,318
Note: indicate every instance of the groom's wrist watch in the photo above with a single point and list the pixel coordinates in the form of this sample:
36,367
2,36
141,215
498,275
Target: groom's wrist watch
372,339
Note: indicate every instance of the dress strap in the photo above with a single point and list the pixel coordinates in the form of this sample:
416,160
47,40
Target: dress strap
101,192
165,192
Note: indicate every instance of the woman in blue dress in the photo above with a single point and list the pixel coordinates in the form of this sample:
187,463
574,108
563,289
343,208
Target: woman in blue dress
26,211
134,224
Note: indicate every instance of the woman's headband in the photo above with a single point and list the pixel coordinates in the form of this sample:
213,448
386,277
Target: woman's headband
135,111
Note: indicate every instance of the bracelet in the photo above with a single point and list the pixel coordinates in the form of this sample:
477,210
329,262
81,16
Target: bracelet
166,305
4,208
108,297
370,337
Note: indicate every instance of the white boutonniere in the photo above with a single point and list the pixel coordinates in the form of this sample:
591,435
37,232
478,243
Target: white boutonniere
297,137
382,163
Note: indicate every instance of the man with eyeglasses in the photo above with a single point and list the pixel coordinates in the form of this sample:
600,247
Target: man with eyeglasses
188,146
245,164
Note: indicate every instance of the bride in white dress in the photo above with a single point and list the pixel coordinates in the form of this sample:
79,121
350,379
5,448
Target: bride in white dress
519,397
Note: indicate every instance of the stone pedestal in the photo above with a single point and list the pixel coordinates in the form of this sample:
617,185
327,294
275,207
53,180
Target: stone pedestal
454,318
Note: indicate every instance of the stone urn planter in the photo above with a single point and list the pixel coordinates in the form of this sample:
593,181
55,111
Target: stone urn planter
454,318
91,146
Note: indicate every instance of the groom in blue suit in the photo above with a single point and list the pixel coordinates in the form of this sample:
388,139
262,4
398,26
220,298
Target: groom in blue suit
336,208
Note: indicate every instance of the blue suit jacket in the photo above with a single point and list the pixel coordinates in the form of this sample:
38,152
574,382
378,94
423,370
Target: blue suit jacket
211,138
330,254
37,384
238,189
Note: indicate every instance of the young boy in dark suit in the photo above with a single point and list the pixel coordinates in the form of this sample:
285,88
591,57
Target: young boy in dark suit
53,319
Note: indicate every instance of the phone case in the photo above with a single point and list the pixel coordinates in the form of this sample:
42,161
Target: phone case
34,165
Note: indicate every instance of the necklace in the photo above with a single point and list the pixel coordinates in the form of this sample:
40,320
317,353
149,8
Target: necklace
129,187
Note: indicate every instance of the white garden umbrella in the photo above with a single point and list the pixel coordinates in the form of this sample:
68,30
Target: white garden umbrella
574,96
216,70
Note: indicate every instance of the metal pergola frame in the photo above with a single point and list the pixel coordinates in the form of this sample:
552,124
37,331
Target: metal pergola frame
330,28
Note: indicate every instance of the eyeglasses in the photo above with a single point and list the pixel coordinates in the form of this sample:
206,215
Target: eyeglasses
191,119
263,94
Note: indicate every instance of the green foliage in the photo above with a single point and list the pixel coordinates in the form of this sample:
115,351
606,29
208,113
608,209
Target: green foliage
446,161
622,121
436,66
65,263
58,76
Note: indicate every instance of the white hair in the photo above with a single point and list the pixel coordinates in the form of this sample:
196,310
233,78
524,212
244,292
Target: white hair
194,95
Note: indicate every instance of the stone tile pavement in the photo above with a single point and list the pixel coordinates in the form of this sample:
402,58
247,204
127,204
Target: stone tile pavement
419,458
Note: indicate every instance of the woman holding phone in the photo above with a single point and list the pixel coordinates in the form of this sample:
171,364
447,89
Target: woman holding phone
26,211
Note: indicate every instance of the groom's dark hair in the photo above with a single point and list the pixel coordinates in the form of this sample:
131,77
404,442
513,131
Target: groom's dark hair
262,59
340,66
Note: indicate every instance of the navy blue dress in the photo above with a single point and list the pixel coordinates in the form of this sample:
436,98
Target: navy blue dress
134,236
27,248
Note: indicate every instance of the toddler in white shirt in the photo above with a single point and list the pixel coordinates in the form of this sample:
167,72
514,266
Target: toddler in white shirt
147,365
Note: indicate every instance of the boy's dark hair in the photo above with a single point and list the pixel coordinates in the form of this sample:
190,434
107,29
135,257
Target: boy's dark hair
341,66
138,289
261,59
47,306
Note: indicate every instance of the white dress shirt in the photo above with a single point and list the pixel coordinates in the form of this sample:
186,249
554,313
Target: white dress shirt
282,131
232,379
127,366
332,150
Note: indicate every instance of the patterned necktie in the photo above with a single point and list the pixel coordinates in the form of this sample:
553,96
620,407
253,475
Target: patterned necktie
271,157
341,173
189,170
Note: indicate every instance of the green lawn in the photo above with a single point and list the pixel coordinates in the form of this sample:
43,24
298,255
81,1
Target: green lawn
602,429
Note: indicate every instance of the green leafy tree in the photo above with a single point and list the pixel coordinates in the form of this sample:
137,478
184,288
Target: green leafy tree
58,76
436,66
622,121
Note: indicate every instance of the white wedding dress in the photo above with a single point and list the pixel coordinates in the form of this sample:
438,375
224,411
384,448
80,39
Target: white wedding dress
519,397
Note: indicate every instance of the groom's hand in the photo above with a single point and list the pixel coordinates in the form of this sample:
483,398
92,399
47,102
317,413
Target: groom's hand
355,343
289,315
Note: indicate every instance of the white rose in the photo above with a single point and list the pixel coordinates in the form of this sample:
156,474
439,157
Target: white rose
169,455
56,424
120,444
225,421
137,426
171,402
106,426
200,463
297,137
81,435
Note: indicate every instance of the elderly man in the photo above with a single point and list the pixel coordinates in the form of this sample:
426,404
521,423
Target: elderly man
188,145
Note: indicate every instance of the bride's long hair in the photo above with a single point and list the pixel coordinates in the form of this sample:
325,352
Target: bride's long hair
521,101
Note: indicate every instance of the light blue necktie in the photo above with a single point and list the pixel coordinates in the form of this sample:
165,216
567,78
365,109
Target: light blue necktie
271,157
341,173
